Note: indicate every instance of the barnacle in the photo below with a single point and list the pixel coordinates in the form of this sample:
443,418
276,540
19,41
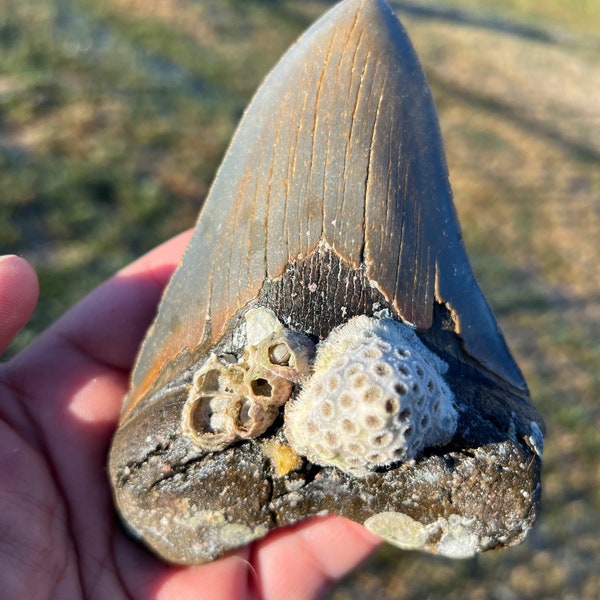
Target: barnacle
231,400
223,406
377,396
275,349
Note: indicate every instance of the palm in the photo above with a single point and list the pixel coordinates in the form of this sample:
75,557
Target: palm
59,402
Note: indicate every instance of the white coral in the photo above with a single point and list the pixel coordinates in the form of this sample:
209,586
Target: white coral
377,396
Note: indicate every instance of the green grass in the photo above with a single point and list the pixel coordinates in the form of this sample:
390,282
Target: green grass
114,116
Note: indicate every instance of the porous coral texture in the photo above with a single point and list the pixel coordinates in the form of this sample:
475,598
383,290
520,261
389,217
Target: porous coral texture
377,397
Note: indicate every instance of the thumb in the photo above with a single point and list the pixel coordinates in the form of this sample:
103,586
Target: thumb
18,296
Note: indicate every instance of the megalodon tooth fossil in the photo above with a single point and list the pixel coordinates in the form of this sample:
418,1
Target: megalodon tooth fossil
323,346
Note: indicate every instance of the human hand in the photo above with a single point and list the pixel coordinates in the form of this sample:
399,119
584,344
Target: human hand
59,404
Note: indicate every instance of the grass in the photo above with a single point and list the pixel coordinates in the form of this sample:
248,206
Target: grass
114,116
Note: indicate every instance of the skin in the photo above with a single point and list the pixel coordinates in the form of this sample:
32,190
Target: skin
59,405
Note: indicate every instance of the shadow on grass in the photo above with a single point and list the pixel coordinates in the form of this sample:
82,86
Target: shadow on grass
481,21
515,114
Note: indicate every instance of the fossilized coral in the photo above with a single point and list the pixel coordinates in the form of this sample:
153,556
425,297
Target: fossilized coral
377,396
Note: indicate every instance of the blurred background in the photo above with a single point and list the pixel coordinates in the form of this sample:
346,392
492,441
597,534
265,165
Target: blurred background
114,115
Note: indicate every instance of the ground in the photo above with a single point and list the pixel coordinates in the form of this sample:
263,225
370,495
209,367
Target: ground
114,116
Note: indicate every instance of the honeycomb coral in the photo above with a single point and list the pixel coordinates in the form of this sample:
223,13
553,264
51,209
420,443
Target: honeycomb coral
377,397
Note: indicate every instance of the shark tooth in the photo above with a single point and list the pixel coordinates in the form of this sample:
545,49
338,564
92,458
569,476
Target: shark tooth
323,346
